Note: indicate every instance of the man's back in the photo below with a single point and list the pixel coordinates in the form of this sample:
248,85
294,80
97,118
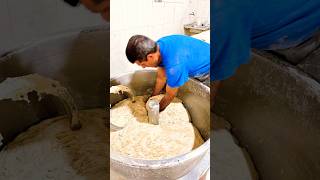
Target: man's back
183,56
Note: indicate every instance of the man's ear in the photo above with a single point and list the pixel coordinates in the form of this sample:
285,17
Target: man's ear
149,56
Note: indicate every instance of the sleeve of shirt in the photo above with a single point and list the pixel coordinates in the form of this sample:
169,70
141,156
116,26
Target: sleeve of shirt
176,76
231,36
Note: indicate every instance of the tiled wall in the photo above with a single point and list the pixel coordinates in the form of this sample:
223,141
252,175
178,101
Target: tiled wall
202,10
149,18
24,21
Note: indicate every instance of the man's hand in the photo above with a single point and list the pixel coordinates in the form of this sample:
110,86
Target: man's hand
160,82
170,94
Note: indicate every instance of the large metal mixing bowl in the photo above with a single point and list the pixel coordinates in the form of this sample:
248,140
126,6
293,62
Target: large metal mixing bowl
78,60
274,110
196,99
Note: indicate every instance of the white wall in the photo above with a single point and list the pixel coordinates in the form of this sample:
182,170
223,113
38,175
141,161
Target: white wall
22,21
146,17
202,10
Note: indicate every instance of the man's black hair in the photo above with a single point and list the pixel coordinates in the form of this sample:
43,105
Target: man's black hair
139,47
77,2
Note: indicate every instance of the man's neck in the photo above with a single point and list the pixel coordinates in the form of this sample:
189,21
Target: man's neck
159,53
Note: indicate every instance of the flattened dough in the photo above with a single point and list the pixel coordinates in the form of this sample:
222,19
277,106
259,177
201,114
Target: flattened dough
174,135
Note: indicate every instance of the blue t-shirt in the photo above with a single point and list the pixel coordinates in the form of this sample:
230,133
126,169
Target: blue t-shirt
183,57
239,25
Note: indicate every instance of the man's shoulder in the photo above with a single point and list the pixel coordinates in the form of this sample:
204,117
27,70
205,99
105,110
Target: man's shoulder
173,36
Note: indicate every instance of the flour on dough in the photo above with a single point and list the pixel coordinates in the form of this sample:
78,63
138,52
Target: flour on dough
175,135
50,150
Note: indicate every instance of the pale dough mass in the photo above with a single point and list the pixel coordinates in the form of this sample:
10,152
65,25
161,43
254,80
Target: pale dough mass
175,135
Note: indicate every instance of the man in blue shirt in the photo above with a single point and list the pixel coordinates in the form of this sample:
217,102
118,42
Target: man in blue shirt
177,57
239,26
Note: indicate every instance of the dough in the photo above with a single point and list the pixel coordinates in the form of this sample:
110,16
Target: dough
174,135
121,89
50,150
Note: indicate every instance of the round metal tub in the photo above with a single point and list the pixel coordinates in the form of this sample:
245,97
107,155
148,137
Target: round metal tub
77,59
79,62
274,110
196,99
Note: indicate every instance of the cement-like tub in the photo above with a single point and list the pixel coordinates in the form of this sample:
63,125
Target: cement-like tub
195,97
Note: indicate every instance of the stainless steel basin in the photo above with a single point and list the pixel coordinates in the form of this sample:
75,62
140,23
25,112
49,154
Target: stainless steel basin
196,98
274,110
77,59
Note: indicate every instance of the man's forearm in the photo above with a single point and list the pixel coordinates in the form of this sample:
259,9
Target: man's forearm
165,101
170,94
160,82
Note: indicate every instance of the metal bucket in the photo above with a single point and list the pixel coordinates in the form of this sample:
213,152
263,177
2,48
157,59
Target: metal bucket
196,99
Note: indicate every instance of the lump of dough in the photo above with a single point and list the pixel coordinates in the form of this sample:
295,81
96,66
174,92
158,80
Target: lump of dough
127,110
174,112
121,89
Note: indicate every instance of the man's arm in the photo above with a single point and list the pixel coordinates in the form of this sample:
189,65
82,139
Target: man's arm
170,94
160,82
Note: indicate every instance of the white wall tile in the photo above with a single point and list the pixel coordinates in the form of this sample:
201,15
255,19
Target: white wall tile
181,15
116,15
148,18
129,9
169,11
175,1
157,4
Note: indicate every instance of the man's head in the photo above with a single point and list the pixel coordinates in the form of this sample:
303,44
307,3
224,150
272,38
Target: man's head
97,6
143,51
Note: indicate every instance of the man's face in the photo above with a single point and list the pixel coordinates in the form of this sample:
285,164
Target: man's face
152,61
102,8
